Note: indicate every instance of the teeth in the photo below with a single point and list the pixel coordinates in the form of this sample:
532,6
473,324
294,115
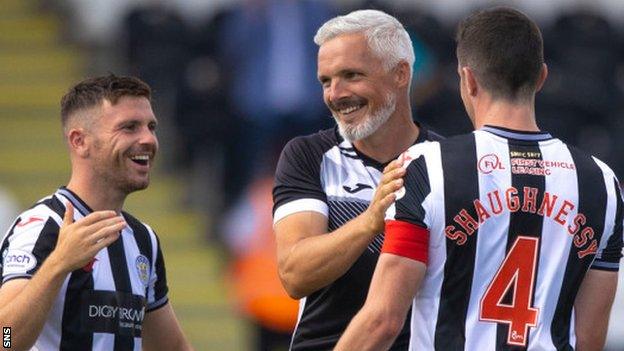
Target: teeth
140,157
349,110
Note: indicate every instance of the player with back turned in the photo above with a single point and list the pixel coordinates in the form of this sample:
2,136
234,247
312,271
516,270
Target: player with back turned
502,239
78,273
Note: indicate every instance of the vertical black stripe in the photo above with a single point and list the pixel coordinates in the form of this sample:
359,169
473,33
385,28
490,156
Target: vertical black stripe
459,160
613,249
143,240
592,202
73,337
46,242
56,205
523,223
160,288
121,276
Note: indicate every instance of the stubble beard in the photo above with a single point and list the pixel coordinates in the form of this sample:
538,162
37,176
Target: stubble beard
370,124
114,176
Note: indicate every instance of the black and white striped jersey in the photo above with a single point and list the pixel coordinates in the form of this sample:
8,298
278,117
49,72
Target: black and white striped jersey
326,174
515,221
102,305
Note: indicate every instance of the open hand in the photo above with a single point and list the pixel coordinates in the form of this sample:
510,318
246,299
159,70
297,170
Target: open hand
391,181
79,241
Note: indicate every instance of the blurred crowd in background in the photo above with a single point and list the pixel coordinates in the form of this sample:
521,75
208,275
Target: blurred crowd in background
240,81
235,80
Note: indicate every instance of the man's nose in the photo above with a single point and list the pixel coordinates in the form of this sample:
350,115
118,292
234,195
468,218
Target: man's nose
337,90
148,137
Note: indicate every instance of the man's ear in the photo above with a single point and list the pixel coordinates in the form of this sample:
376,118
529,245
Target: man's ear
78,144
402,74
542,77
472,87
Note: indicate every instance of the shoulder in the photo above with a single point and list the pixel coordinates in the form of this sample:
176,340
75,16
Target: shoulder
32,221
427,149
312,144
305,153
584,160
430,154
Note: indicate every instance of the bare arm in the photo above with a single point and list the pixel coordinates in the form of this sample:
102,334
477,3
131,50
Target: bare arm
309,258
25,304
395,282
161,331
592,309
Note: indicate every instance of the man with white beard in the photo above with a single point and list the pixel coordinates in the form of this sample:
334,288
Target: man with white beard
332,188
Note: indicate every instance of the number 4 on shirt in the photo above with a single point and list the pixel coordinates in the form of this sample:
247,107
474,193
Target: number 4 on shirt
517,272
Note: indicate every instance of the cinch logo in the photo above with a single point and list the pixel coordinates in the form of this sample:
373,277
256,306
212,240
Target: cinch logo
112,312
18,261
17,258
489,163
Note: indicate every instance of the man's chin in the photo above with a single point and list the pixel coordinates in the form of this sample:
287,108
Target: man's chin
136,186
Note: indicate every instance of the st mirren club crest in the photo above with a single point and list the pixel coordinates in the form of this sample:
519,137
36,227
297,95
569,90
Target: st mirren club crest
143,269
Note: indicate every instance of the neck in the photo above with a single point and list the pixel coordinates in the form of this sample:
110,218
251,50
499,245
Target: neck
506,114
97,196
392,138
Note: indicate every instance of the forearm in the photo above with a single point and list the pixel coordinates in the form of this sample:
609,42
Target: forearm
161,331
315,262
368,331
27,312
592,308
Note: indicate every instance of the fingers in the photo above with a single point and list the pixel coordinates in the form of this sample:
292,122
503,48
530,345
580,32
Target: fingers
117,222
68,218
386,193
108,239
95,217
395,163
391,175
107,230
393,171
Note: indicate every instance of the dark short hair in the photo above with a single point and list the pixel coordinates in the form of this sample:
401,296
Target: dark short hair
92,92
505,50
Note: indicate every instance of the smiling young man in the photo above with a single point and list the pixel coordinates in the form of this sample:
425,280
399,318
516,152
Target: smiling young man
330,195
78,273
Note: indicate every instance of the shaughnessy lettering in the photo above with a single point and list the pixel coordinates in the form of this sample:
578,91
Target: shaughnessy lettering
526,200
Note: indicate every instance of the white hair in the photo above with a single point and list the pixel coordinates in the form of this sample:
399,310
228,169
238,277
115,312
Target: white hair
386,36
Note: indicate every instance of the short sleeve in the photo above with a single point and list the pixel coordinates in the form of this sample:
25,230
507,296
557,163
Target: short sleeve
608,256
27,244
157,288
297,180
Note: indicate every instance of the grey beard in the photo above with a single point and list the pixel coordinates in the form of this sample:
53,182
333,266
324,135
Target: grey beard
370,124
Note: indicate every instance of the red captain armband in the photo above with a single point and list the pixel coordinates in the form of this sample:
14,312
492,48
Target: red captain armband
407,240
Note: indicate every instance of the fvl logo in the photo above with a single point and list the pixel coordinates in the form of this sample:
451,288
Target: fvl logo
489,163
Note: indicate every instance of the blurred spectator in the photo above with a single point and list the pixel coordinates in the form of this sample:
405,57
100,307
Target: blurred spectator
207,129
258,290
583,63
157,44
271,61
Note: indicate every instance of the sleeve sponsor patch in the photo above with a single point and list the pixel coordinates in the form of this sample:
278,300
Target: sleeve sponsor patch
18,262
